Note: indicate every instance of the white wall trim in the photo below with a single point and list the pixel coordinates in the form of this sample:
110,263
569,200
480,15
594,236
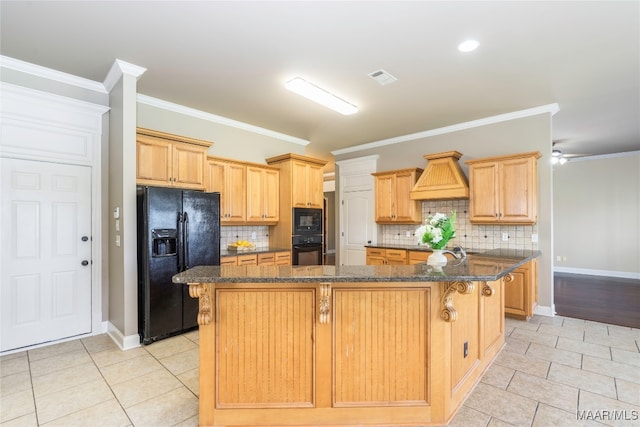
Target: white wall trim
544,310
48,73
120,68
198,114
593,272
124,342
549,108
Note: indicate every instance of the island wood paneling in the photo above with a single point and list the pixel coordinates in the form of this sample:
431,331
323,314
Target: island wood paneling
265,351
381,347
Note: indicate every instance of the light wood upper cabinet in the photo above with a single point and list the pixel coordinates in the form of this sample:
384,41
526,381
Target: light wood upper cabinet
393,201
307,191
229,179
263,195
170,160
504,189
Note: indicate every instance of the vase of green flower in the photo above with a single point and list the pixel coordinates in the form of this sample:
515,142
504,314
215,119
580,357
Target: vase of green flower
436,232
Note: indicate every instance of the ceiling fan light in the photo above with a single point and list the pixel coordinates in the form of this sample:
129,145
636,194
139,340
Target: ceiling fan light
556,153
562,160
554,160
468,45
321,96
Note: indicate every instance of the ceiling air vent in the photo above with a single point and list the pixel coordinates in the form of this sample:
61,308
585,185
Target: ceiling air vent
382,77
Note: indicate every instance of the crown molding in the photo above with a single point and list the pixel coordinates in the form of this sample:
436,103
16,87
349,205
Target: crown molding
549,108
181,109
120,68
50,74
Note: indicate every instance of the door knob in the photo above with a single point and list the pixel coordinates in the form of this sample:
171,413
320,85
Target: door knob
84,238
85,262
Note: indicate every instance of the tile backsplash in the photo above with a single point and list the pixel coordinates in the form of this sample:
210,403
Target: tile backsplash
230,234
469,236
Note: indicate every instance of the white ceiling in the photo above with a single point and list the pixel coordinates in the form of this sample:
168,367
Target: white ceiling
231,58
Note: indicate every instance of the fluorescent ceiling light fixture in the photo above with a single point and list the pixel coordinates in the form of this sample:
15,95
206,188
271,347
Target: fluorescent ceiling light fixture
321,96
468,45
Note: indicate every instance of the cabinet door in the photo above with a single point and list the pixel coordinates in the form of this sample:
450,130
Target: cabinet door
283,258
515,293
235,188
188,166
407,210
299,183
483,198
315,190
255,212
267,259
517,188
248,259
229,260
385,198
271,195
153,161
418,257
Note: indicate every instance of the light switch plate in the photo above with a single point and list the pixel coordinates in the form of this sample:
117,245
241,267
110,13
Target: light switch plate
505,237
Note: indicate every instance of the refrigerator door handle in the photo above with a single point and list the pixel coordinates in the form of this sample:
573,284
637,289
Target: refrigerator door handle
180,242
185,262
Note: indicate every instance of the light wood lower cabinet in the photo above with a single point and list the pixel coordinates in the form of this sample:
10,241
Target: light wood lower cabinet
342,353
380,256
263,259
521,291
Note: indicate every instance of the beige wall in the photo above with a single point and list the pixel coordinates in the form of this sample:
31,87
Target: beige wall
509,137
227,141
597,216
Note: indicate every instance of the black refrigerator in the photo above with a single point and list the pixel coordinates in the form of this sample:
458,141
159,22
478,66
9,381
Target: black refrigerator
177,229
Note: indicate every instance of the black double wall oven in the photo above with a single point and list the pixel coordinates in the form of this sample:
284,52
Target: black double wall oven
307,236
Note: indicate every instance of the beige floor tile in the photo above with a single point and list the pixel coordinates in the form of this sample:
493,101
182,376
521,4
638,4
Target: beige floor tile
583,380
105,414
626,357
59,362
65,378
15,383
130,369
498,376
555,355
468,417
191,379
515,345
597,350
191,422
522,363
623,332
617,413
28,420
520,324
535,337
546,320
562,331
182,362
628,344
16,405
55,350
145,387
55,405
168,409
547,416
549,392
170,346
614,369
595,326
505,406
495,422
99,343
115,355
193,336
628,392
14,365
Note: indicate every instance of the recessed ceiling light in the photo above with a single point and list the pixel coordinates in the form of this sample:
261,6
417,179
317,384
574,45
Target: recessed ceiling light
321,96
468,45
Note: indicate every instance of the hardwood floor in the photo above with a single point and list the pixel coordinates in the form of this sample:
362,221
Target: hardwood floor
602,299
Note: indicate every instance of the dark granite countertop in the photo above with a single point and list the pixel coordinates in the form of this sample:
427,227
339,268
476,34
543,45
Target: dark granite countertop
487,266
227,252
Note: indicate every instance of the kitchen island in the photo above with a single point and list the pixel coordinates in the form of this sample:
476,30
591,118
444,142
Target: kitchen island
346,345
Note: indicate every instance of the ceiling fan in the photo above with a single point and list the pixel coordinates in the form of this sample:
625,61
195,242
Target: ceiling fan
558,157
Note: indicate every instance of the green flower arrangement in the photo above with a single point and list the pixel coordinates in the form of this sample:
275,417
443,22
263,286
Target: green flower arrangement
438,230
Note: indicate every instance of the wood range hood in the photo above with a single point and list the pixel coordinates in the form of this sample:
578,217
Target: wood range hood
442,179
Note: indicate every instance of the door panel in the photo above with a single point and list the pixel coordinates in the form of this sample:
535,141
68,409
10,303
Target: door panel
359,226
45,289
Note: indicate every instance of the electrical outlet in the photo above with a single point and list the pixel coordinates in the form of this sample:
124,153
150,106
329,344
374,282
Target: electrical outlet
408,234
505,237
559,258
466,348
534,238
254,236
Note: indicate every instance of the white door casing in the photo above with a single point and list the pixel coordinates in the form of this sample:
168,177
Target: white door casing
46,291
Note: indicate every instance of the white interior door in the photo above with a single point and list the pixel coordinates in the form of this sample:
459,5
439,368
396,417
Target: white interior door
358,226
45,252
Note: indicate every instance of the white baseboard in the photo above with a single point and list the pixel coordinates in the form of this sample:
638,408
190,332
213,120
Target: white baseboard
124,342
544,310
591,272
